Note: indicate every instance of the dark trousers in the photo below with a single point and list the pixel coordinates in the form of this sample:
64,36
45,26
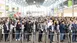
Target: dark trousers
25,34
28,36
13,34
40,36
0,34
74,37
6,35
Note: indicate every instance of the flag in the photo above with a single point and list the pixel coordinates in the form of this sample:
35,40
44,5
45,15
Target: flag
55,10
69,3
17,14
11,14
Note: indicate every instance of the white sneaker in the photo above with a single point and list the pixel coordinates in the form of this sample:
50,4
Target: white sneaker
16,39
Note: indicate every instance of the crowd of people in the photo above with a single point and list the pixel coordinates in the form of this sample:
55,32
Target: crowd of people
28,25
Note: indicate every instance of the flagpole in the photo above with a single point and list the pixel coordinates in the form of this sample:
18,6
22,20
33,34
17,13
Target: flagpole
62,14
72,17
72,8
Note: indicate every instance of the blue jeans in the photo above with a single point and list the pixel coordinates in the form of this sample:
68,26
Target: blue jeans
73,37
17,34
51,37
61,36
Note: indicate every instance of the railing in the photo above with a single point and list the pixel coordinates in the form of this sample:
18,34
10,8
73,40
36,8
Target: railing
35,36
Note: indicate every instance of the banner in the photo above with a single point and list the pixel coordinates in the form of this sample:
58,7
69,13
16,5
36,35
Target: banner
17,14
0,13
69,3
7,8
11,14
55,10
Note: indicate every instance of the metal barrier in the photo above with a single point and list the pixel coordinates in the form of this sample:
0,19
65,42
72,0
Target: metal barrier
34,38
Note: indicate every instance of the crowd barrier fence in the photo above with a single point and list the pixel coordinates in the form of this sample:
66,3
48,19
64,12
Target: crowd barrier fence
34,37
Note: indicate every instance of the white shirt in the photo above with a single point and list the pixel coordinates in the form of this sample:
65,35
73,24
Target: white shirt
49,24
70,26
1,27
7,26
41,27
22,27
46,28
52,28
12,26
34,27
58,28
